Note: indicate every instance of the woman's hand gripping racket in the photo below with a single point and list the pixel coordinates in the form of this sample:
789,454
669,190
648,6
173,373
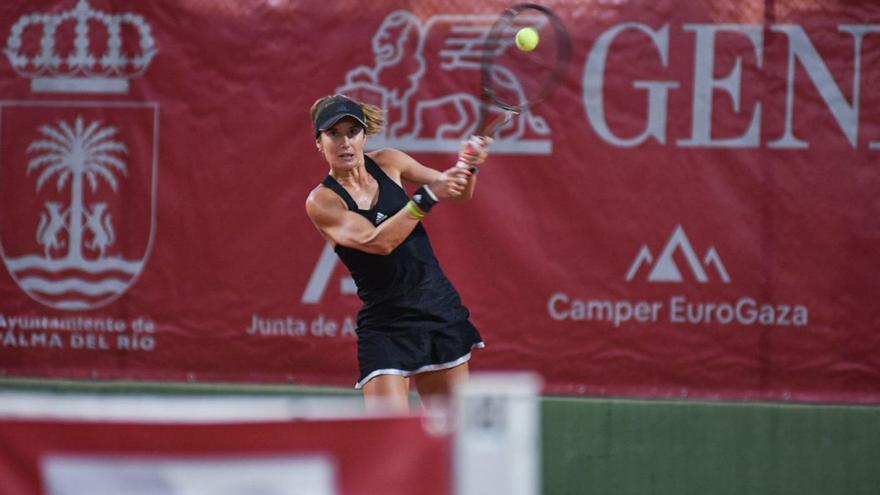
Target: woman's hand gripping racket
514,80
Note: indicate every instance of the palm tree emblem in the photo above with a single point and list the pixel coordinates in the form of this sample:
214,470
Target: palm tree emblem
78,154
76,270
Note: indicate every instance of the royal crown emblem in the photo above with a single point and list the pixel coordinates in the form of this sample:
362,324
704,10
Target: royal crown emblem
81,70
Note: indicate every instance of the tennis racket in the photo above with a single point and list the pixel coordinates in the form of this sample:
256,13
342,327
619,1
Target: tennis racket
513,81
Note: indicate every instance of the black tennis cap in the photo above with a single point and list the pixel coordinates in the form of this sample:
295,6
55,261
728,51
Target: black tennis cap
334,108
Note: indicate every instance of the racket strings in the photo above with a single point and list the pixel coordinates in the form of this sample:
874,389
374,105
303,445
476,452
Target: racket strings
515,79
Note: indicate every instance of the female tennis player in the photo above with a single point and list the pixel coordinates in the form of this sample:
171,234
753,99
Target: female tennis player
412,324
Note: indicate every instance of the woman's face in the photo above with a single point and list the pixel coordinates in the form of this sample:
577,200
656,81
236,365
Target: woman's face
343,144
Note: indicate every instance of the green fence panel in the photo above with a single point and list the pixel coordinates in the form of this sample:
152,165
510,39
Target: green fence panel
625,447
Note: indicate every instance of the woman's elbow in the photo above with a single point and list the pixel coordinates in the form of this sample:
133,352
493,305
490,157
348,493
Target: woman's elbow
384,249
381,247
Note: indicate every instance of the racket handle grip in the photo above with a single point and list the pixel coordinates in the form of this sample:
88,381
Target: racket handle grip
473,144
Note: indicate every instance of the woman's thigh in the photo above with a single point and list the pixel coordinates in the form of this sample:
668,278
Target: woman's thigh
388,393
440,382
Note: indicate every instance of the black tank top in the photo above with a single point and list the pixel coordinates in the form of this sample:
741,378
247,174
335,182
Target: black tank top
405,290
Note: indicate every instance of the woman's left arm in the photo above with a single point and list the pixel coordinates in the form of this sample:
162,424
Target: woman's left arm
413,171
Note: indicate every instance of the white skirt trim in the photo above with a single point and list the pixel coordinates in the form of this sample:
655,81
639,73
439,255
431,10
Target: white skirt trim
424,369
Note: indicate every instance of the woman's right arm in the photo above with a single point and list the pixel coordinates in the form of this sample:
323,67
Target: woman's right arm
344,227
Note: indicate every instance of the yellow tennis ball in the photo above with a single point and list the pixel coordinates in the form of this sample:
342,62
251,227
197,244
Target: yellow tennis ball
527,39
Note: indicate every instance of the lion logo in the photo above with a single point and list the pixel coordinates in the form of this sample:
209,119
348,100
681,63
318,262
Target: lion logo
426,77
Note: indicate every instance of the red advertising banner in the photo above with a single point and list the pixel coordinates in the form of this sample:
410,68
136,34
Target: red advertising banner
694,212
322,457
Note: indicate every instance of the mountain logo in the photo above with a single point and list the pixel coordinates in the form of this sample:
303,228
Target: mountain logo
665,269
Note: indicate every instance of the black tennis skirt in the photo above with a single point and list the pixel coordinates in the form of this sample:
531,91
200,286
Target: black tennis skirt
406,353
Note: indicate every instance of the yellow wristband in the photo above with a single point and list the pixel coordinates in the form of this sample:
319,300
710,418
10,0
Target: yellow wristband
414,210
